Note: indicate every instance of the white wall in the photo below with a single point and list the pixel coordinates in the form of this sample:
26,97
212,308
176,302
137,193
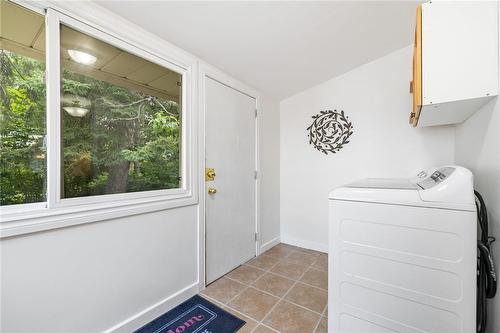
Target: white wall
91,277
478,148
269,118
376,98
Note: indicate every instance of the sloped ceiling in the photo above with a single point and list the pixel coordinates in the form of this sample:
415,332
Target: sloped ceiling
278,47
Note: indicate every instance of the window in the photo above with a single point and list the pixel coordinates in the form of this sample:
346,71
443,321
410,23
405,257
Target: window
89,121
22,106
121,120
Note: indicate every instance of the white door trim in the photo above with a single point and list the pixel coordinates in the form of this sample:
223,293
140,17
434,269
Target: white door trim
208,71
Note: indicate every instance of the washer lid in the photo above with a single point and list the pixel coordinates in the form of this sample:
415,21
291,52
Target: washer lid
385,183
448,187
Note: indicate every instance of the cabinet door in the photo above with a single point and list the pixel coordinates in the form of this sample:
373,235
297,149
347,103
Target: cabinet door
417,70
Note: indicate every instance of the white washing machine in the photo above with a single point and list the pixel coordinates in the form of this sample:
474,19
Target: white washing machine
402,254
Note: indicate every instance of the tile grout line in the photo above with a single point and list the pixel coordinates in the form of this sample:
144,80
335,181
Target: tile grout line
325,310
279,299
322,313
259,322
321,318
288,291
242,314
295,282
282,298
281,275
317,324
247,286
307,284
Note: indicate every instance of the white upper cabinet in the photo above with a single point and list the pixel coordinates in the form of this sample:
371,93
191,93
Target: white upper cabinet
455,62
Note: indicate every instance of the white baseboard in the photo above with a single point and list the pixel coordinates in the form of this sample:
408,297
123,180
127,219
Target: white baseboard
267,245
305,244
154,311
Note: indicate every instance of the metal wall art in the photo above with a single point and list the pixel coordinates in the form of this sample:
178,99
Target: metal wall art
330,131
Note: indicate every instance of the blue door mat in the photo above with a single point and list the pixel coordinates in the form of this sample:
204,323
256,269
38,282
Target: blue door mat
196,315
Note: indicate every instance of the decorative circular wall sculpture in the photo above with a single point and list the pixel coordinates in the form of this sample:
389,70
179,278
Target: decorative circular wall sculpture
330,131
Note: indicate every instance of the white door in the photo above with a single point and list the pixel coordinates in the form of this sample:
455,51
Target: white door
230,151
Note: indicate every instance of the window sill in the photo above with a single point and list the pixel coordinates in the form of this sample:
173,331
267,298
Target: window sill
43,219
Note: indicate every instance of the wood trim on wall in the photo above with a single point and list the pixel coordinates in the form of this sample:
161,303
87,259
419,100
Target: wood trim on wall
417,70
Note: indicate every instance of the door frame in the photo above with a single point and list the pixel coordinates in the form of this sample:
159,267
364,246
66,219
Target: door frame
207,71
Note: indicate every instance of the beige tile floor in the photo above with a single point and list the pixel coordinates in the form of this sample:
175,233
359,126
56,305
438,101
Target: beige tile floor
282,290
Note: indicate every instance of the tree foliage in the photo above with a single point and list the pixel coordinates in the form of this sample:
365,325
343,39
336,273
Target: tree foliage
128,141
22,130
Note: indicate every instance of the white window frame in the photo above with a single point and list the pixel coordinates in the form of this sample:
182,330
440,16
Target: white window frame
61,212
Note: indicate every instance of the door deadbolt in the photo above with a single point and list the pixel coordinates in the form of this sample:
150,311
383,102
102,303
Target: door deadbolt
212,190
209,174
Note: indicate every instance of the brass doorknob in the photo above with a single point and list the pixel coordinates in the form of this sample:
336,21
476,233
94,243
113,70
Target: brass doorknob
212,190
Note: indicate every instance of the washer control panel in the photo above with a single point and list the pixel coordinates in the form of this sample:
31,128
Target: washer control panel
435,178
